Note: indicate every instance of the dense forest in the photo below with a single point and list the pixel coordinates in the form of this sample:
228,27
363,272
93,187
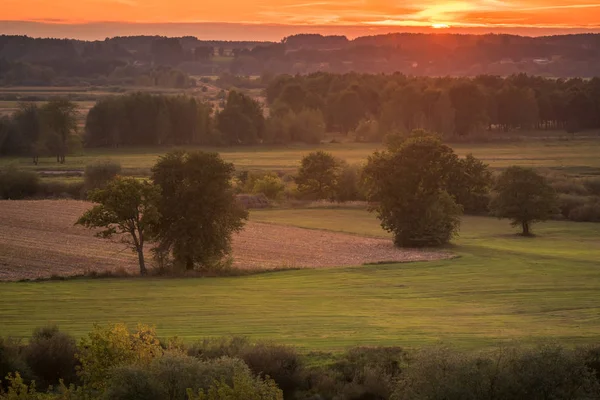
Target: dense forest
303,108
162,61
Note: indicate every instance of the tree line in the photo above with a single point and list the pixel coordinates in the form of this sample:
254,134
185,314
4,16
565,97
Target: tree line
374,105
38,130
145,119
419,189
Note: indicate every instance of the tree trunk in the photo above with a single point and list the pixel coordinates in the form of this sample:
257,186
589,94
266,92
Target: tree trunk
525,226
143,270
189,264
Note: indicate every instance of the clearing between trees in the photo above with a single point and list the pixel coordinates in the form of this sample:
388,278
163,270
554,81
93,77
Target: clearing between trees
38,240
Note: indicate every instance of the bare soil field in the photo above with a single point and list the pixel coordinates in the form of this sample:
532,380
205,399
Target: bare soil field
38,239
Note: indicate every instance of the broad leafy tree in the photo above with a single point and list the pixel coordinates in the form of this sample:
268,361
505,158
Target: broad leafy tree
406,186
126,207
59,125
198,208
241,121
470,184
318,175
524,197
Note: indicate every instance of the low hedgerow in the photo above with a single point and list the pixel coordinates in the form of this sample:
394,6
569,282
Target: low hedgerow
544,372
60,189
569,202
97,174
592,185
589,212
210,348
119,364
16,184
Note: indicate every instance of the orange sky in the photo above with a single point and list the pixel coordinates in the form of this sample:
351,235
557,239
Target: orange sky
552,13
333,13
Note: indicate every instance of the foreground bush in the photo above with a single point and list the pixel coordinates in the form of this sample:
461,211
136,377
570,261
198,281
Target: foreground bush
16,184
119,364
545,372
244,386
106,348
50,355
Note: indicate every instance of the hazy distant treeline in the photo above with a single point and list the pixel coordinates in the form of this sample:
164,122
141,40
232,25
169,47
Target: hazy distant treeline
137,60
375,105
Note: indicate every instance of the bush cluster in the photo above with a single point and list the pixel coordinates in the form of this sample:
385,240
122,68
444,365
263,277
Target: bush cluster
578,198
112,362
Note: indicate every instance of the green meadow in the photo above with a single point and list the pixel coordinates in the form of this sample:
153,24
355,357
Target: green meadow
500,287
577,157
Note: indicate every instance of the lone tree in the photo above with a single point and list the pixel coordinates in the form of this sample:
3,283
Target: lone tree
525,197
125,207
407,187
198,208
318,175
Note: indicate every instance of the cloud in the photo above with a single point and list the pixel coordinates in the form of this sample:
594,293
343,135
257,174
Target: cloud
576,13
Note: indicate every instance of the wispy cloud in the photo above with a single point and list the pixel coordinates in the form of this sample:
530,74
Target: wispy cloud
577,13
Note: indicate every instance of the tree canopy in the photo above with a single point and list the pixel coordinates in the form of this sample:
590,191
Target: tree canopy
126,207
524,197
414,191
198,208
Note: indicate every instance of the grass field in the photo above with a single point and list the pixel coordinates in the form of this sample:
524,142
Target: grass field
502,287
578,157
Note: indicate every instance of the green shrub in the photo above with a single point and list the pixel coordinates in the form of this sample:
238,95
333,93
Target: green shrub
282,363
369,372
545,372
569,185
58,189
348,186
569,202
244,386
97,174
589,212
592,185
210,348
269,185
177,373
50,355
106,348
133,382
16,184
12,360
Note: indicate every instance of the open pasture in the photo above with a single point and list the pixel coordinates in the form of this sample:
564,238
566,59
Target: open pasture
501,288
576,157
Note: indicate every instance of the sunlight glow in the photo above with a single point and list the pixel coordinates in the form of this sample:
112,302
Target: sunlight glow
440,26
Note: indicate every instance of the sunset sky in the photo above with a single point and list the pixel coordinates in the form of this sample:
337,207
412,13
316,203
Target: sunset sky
555,14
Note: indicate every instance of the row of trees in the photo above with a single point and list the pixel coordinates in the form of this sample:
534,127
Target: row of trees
49,129
146,119
452,106
419,189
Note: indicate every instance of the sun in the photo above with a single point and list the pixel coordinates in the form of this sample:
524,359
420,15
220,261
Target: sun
440,26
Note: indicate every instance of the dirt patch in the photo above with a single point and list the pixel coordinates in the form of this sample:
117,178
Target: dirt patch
38,239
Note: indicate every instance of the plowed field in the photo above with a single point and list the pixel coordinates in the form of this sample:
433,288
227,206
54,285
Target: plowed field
38,239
